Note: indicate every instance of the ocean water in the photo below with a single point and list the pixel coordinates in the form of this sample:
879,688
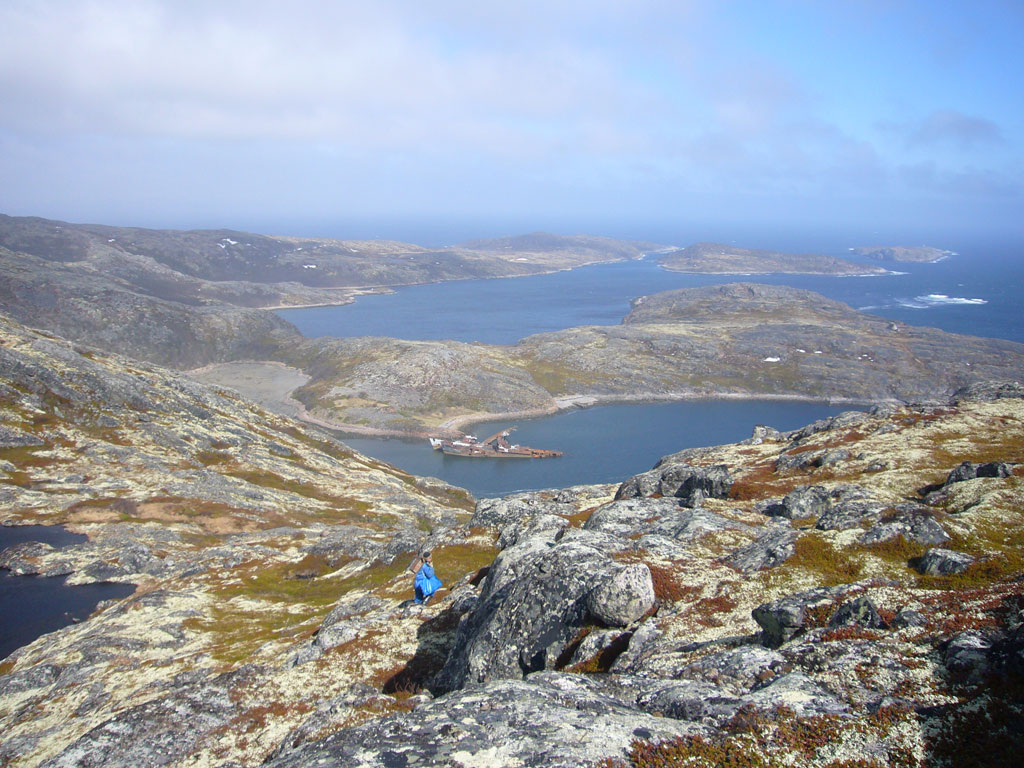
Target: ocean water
975,292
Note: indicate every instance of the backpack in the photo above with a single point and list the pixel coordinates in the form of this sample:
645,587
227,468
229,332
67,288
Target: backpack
416,564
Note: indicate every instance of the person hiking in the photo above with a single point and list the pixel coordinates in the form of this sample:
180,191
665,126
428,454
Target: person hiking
426,583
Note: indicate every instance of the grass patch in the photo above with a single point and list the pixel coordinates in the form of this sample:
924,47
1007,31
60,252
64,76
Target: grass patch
832,567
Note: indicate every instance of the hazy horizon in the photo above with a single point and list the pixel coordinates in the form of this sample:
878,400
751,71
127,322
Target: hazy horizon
741,121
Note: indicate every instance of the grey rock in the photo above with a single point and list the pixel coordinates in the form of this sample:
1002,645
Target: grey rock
987,391
912,523
689,483
943,562
849,514
596,643
968,656
691,700
970,471
15,438
545,525
157,732
734,670
771,548
531,606
549,719
783,619
908,617
800,693
627,516
860,611
624,597
806,502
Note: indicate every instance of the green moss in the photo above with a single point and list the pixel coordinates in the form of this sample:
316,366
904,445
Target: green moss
831,566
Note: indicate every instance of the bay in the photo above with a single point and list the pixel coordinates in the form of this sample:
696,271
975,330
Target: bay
976,292
605,444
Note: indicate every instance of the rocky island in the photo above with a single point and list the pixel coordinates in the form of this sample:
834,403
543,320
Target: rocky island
719,259
918,253
845,594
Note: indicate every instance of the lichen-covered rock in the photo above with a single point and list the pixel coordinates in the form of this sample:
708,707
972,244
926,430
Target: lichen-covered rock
912,523
968,656
806,502
624,597
689,483
943,562
782,619
771,548
970,471
532,604
549,719
860,611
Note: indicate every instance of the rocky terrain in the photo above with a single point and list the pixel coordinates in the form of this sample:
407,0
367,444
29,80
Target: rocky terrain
902,252
736,340
845,595
716,258
190,298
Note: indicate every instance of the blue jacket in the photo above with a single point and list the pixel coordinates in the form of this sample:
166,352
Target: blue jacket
426,583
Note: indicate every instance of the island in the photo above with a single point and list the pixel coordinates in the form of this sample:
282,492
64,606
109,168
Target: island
719,259
916,253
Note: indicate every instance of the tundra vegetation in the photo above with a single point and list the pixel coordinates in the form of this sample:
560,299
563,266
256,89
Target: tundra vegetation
845,594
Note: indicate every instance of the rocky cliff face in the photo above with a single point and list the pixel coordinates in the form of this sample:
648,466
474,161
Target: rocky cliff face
844,594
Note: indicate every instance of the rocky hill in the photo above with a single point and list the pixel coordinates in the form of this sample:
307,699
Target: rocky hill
716,258
736,340
846,594
189,298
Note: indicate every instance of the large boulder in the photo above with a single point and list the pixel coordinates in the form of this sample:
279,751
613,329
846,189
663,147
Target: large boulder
624,597
533,604
689,483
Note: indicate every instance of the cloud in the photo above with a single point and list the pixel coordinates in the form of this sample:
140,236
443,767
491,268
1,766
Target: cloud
372,75
947,127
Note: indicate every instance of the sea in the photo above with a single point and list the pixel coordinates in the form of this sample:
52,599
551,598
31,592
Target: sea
977,290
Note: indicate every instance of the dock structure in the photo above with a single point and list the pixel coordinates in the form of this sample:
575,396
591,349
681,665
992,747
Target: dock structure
497,446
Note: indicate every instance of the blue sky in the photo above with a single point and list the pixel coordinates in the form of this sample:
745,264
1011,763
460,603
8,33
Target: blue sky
474,118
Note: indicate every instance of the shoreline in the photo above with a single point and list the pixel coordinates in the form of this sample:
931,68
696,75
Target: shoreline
383,290
285,379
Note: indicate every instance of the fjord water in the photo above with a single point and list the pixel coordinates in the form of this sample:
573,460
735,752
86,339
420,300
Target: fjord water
34,605
976,292
601,445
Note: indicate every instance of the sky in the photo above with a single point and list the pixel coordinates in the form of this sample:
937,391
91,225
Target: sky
451,118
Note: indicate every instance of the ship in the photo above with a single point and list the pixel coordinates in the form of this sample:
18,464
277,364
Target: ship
497,446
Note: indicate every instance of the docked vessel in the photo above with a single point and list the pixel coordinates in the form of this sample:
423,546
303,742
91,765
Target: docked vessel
497,446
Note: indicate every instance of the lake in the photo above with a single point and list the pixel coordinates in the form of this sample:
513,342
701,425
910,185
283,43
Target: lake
31,606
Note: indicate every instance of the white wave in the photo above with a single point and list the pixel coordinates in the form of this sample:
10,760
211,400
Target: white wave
941,298
938,300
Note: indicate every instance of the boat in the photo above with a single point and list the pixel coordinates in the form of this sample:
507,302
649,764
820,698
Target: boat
497,446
